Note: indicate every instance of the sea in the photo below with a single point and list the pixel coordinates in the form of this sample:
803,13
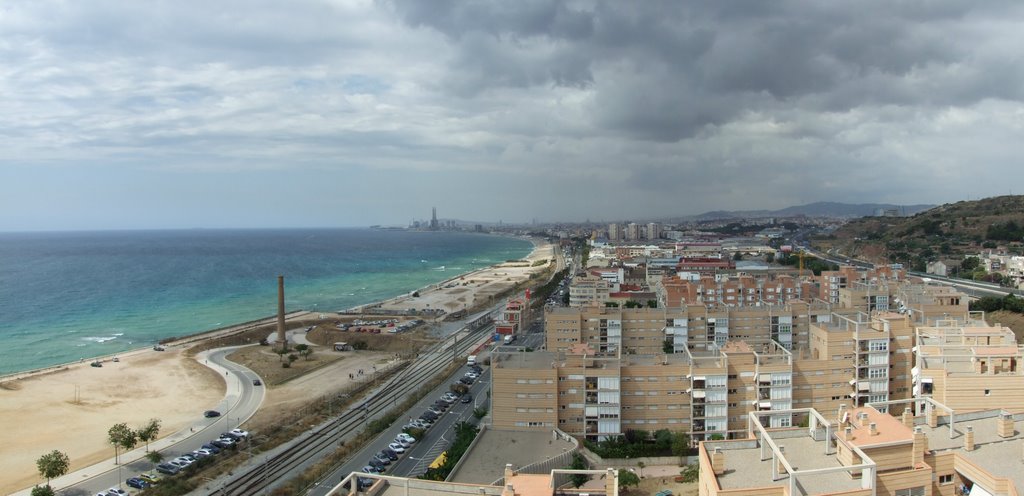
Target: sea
67,296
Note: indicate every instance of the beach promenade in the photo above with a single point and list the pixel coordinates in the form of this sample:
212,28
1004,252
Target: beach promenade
71,407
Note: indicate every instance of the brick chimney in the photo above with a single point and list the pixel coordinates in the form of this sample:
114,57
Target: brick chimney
847,433
872,429
920,445
864,419
718,461
1004,426
508,472
908,418
933,417
969,439
280,313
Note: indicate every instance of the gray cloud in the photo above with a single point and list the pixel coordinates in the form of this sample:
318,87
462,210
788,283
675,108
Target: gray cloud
495,109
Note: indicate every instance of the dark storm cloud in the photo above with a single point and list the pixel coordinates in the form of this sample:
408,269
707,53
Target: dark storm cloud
665,70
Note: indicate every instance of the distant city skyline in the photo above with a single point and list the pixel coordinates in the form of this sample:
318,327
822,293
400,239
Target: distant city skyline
353,113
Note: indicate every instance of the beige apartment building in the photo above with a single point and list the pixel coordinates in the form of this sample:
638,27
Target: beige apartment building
969,365
865,451
702,370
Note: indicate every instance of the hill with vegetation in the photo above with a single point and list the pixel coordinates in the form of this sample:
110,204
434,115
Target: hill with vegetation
952,233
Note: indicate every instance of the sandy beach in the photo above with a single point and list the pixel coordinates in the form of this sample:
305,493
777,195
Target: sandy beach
72,408
466,291
162,385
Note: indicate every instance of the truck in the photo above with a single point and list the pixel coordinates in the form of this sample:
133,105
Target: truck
509,338
471,360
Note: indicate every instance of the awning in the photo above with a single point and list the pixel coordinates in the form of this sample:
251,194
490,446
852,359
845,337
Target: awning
926,380
698,393
764,404
699,378
764,378
977,490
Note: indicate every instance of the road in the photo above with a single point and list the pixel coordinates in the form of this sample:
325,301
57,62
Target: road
416,460
240,402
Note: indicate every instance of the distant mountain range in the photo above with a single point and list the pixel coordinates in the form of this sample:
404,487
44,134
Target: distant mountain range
817,209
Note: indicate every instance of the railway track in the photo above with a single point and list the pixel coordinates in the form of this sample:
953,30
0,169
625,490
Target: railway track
322,440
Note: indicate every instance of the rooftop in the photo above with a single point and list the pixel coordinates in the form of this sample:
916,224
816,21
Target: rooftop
1000,456
745,469
888,429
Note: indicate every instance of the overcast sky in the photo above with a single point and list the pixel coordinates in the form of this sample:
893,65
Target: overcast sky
128,114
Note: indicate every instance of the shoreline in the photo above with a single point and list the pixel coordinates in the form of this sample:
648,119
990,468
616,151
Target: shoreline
209,333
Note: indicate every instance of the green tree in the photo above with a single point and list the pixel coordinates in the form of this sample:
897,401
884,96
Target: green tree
652,303
148,432
691,473
155,457
52,465
641,465
737,256
680,445
42,491
578,463
292,358
628,478
122,437
969,264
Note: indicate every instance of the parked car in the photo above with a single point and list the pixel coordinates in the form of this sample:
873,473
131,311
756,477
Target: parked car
239,433
116,491
96,364
390,453
211,414
381,457
256,382
397,447
435,411
407,438
224,442
377,465
213,449
137,483
467,398
149,477
202,453
369,469
167,468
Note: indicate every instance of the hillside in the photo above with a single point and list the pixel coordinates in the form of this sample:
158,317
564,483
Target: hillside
818,209
946,232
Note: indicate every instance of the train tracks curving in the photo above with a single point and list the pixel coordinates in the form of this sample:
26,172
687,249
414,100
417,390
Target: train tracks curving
322,440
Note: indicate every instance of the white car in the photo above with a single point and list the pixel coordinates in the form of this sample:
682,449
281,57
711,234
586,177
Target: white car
240,432
407,438
397,448
114,491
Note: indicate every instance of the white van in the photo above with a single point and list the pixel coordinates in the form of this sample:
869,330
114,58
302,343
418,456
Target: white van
471,360
509,338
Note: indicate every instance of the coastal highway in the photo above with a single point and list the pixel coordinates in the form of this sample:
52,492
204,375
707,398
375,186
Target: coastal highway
240,402
266,471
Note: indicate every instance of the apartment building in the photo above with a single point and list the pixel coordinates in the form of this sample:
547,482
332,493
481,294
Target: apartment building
701,369
734,290
646,331
588,290
865,451
969,365
591,394
831,281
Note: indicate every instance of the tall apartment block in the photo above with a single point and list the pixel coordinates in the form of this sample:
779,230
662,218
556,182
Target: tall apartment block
703,370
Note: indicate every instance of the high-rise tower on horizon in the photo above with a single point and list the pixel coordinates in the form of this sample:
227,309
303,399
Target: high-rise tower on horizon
433,219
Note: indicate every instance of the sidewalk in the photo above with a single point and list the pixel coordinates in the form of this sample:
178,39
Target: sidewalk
233,383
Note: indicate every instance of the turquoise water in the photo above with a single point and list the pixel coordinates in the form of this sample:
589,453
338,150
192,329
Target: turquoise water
68,296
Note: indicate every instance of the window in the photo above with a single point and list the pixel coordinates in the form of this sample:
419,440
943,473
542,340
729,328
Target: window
988,392
912,491
946,479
